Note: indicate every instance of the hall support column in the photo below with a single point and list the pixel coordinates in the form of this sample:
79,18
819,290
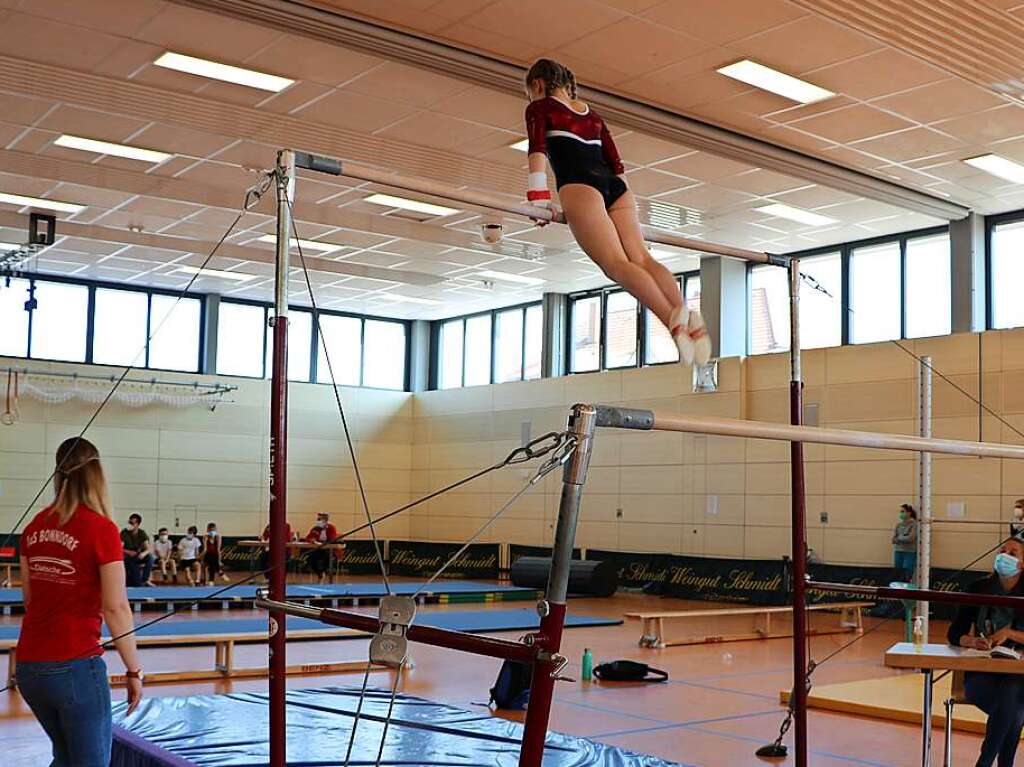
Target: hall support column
967,254
419,355
723,302
555,309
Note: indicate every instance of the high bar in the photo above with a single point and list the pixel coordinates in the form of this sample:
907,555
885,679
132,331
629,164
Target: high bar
335,167
648,420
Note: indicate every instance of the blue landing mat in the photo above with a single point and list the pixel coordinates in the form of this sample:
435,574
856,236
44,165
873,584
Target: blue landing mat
231,731
295,591
470,621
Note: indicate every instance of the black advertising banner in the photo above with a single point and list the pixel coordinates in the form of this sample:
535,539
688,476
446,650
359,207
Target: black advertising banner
420,558
233,556
360,557
517,550
853,574
950,580
636,570
745,581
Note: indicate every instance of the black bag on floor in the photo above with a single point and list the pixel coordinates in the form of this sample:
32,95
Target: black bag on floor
629,671
511,689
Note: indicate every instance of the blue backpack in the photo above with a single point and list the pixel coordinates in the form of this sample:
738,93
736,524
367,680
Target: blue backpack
512,687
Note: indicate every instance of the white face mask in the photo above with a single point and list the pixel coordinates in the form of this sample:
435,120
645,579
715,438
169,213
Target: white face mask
190,536
321,523
212,533
1018,513
163,538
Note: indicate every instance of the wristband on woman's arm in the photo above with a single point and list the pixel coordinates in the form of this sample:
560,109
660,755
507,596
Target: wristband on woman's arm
537,190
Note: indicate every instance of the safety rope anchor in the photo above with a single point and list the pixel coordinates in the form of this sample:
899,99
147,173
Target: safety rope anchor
390,646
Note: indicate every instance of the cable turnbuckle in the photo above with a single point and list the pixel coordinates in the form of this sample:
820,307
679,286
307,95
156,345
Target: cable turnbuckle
390,646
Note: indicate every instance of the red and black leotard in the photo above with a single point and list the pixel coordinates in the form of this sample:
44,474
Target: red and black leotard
578,145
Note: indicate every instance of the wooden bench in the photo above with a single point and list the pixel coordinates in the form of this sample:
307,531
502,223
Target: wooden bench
760,617
224,650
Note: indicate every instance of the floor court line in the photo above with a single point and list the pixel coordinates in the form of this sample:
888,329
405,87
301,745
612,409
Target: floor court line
617,712
759,695
816,752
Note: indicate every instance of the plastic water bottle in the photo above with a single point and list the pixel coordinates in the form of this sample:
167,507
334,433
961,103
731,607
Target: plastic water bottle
587,666
918,633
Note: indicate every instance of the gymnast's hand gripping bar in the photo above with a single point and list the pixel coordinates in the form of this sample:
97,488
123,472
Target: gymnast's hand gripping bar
429,635
333,167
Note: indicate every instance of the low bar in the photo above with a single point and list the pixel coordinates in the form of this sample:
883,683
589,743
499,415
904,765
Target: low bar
429,635
920,595
731,427
331,166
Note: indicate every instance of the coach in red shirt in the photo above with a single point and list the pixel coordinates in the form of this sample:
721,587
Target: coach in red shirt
72,556
322,532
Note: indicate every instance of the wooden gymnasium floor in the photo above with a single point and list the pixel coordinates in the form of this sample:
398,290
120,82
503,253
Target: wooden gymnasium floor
721,703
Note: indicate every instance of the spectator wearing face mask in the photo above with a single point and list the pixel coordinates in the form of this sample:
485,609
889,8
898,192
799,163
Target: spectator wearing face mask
320,558
138,560
904,543
1001,696
189,548
163,549
212,565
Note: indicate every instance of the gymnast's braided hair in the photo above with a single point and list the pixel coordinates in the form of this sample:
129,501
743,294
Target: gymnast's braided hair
553,75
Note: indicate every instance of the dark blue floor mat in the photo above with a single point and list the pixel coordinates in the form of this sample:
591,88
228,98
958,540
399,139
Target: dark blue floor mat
231,731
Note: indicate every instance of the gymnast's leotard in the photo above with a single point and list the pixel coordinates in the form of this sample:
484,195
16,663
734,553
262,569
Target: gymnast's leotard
578,145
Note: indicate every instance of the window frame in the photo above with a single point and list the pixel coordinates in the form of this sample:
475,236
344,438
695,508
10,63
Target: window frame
991,222
845,251
92,286
435,344
641,327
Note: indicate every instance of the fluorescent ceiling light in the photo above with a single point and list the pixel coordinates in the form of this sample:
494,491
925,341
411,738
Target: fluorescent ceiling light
321,247
106,147
507,277
522,146
998,166
236,276
225,72
407,299
390,201
39,202
796,214
767,79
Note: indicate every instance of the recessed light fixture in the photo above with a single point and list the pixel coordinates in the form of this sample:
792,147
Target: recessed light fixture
39,202
117,150
216,71
768,79
522,279
320,247
522,146
998,166
218,273
390,201
799,215
399,299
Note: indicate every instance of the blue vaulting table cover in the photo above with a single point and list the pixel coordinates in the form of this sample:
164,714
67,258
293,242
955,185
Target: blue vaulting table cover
231,731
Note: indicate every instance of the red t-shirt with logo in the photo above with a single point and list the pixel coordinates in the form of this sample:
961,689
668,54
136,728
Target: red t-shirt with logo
64,616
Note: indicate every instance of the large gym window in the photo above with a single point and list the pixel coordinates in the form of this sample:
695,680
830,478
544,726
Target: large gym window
14,318
493,347
384,354
174,327
585,335
876,290
620,330
240,339
820,305
929,290
1006,264
119,327
343,337
300,338
60,322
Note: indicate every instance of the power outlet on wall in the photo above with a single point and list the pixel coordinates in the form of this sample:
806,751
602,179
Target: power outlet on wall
618,513
824,517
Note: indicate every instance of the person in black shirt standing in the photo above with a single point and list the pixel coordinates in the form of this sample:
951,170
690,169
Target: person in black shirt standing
1001,696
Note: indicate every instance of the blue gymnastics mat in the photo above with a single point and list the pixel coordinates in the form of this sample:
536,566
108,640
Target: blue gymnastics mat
469,621
296,591
231,731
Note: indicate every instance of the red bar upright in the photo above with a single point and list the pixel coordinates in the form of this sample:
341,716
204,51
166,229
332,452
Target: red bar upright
278,544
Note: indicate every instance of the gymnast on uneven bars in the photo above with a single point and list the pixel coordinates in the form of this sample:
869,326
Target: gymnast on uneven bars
598,206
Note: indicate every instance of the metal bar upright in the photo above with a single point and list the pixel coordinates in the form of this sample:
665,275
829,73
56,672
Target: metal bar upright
277,646
924,490
582,423
799,523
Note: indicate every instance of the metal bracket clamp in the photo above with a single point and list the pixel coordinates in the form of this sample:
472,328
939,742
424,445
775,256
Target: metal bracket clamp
559,662
389,646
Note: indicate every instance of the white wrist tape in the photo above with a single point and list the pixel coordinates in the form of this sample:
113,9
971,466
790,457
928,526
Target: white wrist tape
538,180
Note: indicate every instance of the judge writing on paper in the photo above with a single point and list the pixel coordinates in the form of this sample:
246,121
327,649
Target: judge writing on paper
1001,696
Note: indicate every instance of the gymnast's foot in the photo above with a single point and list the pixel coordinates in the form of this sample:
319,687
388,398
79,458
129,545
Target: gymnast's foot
699,337
678,325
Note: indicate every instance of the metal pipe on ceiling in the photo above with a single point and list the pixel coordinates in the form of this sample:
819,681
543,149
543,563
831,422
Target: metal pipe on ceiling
303,17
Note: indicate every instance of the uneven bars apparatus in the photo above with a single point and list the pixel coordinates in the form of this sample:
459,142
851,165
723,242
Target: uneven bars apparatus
540,649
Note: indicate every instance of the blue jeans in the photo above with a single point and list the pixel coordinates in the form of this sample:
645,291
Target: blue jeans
1001,696
907,562
137,571
71,700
